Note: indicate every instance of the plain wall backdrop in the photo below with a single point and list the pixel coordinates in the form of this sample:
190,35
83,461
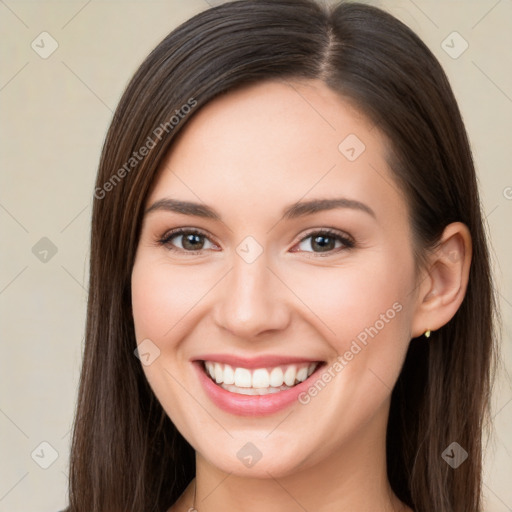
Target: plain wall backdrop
64,67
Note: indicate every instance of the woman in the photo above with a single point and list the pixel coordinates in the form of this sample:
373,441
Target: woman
290,298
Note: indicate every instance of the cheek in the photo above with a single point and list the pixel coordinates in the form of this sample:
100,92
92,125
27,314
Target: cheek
163,300
352,297
162,297
363,311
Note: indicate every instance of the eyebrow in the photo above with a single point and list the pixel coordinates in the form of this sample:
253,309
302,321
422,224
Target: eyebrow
293,211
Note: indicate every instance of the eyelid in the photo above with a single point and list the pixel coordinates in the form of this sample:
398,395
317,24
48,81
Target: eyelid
344,237
168,235
327,230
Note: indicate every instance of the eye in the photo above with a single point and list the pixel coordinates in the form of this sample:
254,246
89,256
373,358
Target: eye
191,240
325,241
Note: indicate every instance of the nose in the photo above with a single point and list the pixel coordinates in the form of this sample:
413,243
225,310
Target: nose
252,300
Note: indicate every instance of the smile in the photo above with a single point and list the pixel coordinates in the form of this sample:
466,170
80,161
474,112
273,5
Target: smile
259,381
257,386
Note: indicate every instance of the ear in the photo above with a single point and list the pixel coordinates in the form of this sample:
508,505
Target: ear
444,280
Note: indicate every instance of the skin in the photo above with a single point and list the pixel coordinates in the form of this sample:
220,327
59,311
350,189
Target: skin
248,155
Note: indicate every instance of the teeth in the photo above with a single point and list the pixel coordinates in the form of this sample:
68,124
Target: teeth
242,378
260,378
229,375
266,380
219,374
302,374
210,368
253,391
289,375
276,377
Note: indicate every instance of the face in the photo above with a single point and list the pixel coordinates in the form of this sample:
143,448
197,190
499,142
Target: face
269,287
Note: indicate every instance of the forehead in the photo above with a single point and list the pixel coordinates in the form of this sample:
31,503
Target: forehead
274,143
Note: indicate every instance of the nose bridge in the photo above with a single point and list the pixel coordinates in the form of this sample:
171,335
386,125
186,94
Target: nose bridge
252,299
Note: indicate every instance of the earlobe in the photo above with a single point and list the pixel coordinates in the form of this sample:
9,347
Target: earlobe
447,275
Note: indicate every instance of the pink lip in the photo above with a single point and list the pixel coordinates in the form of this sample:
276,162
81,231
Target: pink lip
253,362
250,405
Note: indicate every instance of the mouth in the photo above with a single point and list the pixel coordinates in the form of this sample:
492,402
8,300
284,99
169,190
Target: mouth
255,386
258,381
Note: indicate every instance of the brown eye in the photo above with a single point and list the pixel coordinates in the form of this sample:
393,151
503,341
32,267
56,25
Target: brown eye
325,241
191,240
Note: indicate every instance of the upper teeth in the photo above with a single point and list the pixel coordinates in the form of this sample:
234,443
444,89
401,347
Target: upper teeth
260,377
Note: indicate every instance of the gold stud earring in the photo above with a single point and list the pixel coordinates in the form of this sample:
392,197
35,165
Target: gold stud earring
427,333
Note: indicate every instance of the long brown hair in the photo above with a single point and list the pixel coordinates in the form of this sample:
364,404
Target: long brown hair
126,453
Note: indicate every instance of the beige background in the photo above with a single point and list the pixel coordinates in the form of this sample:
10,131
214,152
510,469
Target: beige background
55,113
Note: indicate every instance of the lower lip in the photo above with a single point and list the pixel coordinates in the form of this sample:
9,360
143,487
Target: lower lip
250,405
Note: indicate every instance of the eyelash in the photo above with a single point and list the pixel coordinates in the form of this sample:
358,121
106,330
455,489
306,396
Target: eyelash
347,241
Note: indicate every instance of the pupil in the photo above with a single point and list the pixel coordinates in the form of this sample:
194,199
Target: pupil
323,246
190,239
323,242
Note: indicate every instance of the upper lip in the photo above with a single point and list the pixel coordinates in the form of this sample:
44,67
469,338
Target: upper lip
254,362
